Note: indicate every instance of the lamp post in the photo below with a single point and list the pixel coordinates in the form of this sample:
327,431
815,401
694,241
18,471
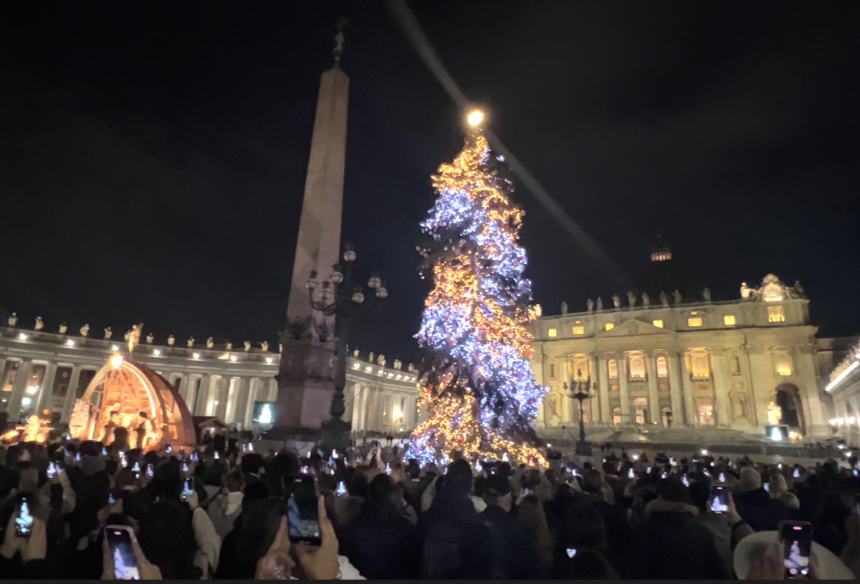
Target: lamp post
580,389
339,298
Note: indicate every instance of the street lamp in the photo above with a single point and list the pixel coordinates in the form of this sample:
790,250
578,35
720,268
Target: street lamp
337,296
580,389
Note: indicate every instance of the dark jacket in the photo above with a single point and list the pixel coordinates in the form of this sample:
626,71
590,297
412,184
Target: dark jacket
671,544
760,511
522,560
381,543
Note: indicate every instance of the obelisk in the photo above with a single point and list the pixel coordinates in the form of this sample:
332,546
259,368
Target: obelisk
305,377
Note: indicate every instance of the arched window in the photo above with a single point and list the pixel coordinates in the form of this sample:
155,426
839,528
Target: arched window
616,416
612,367
662,366
636,362
640,410
700,366
782,364
579,367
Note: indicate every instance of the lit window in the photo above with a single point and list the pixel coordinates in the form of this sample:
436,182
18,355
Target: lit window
700,365
552,333
640,410
729,320
578,329
637,366
662,367
616,415
658,322
612,367
775,314
609,326
783,365
694,321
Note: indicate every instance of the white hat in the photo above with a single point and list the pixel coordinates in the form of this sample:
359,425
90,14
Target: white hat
827,566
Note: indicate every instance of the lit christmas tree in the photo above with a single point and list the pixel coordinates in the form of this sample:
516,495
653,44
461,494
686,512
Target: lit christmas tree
475,377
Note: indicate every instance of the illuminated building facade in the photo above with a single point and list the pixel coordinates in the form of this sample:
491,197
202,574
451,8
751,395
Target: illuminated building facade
843,386
41,369
740,364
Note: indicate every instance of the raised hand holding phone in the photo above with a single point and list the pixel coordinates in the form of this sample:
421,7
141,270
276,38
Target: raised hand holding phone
122,558
319,562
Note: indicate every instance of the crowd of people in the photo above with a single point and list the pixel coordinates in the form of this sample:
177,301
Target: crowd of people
382,516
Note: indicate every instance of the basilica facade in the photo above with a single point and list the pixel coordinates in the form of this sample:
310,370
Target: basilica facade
741,364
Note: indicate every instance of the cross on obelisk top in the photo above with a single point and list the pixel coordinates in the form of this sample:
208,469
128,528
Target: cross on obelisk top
337,51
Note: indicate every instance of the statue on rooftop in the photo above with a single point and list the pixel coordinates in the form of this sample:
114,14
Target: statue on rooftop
589,305
63,329
85,330
616,301
210,343
40,324
631,299
108,333
599,304
563,307
13,319
646,300
677,294
664,298
706,294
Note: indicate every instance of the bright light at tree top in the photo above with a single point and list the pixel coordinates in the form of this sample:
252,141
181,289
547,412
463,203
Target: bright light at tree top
476,380
475,118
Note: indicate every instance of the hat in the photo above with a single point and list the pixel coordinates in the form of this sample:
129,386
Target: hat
750,479
827,566
496,485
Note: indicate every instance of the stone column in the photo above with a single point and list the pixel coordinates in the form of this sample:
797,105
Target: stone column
675,390
201,407
254,385
603,389
227,407
241,400
365,413
190,396
625,393
597,409
3,362
721,382
653,397
46,392
21,376
689,387
71,393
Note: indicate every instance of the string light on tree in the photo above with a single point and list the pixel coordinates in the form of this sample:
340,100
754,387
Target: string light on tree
475,379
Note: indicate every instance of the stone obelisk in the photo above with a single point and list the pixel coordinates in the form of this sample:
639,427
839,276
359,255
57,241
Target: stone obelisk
305,377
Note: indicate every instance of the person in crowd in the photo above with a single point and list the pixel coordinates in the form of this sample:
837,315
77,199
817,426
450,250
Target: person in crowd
726,528
755,504
670,543
226,506
381,542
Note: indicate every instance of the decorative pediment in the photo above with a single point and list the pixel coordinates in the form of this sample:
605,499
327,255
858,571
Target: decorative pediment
634,327
772,289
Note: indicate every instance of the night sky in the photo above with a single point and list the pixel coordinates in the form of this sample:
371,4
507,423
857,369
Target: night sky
153,155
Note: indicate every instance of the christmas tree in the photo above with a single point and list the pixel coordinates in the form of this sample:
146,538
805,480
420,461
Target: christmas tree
475,376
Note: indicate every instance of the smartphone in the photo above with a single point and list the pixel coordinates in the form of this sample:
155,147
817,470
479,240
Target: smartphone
187,488
685,480
123,461
104,451
796,474
648,470
664,475
766,487
195,458
52,469
111,498
722,477
334,453
168,449
571,552
796,538
24,518
119,543
136,470
217,456
631,473
719,499
525,492
341,489
306,470
150,472
185,467
77,456
302,511
388,468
